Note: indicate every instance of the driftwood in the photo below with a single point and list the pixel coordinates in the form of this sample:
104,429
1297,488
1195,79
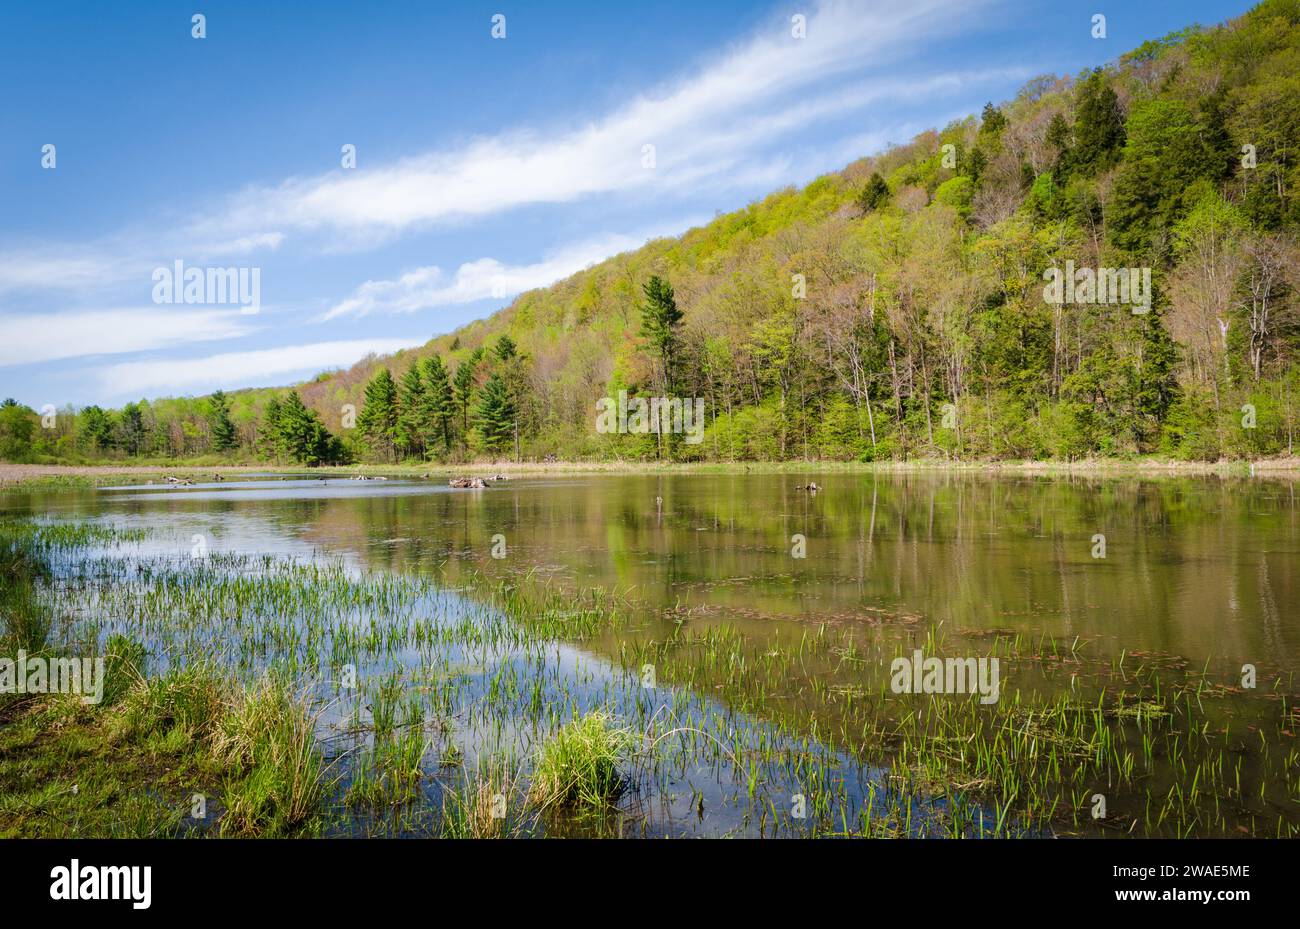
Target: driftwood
468,483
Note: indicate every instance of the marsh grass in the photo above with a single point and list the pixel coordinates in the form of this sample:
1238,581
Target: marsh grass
26,618
261,736
184,705
485,803
579,764
390,771
267,739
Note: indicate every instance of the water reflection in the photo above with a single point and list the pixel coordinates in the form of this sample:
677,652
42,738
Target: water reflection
1205,568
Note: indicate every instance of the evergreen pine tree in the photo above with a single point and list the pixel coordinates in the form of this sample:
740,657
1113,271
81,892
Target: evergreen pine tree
439,404
1098,126
1221,152
96,428
661,322
132,429
378,418
992,122
223,430
466,374
411,432
269,433
303,436
505,348
874,194
496,414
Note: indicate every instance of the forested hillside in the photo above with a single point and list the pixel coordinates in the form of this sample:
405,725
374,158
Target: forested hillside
899,308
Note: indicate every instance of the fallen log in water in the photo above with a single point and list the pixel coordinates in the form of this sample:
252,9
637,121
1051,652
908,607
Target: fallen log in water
469,483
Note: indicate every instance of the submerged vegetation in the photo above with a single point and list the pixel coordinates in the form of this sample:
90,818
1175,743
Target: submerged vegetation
896,309
269,695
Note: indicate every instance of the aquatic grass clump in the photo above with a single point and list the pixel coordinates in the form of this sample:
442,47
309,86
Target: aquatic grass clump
267,738
390,772
49,536
124,667
483,804
25,620
579,764
189,699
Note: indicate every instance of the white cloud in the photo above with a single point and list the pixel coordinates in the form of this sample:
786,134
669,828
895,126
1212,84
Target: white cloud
231,370
486,278
33,270
108,263
704,129
240,245
31,338
728,124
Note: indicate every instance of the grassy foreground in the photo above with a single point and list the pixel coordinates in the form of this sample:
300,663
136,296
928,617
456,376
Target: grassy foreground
187,752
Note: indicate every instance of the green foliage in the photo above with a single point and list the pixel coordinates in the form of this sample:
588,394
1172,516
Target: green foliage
660,325
412,429
1164,157
18,425
465,383
1098,127
439,404
956,192
505,348
992,122
223,430
875,194
96,428
303,437
496,414
377,420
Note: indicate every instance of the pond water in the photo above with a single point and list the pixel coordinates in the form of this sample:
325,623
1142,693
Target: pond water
769,616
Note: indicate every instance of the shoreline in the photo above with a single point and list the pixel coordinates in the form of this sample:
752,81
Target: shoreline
19,475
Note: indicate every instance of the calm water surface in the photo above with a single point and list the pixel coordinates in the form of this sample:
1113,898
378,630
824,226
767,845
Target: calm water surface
1197,572
1204,568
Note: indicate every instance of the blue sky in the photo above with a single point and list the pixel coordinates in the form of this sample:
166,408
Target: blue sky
484,166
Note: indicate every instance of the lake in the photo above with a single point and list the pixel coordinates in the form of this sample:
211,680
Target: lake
744,632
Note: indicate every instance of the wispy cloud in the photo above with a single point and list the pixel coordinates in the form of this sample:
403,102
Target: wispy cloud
232,370
94,267
702,128
61,268
487,278
32,338
733,122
